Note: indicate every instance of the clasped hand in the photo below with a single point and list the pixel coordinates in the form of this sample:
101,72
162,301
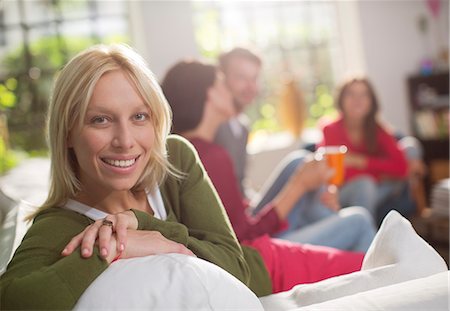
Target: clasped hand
122,238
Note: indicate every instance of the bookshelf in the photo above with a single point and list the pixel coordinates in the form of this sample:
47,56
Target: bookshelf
429,103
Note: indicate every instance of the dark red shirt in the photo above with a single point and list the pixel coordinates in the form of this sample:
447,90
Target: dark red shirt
220,169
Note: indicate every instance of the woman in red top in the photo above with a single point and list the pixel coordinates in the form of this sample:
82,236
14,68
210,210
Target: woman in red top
375,165
201,102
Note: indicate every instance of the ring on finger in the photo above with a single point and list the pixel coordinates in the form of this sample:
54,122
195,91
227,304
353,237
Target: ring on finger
107,223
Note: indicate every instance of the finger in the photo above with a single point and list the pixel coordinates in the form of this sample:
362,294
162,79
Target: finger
172,247
121,233
73,244
87,244
190,253
181,249
333,202
336,205
104,237
334,192
187,251
132,220
332,189
329,200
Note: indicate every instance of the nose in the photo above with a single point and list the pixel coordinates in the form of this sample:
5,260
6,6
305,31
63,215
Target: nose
123,136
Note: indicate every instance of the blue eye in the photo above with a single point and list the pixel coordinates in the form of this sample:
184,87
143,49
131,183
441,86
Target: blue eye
99,120
141,116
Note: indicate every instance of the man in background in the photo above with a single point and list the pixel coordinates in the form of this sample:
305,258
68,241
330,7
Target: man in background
241,68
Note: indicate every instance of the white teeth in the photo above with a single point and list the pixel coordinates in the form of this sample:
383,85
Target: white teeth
120,163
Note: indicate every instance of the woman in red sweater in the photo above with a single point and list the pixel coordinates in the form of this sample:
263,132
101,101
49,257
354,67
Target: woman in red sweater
200,103
375,166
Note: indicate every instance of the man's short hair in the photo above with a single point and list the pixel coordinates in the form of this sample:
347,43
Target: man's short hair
238,52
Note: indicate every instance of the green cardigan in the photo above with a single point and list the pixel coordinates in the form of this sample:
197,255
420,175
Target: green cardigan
38,277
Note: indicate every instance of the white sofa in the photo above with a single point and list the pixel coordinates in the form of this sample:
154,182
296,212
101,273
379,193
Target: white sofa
400,272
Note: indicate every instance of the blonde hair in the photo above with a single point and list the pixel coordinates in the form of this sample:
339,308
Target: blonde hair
71,94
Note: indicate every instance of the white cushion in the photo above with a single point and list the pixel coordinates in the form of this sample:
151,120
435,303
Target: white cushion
167,282
430,293
397,254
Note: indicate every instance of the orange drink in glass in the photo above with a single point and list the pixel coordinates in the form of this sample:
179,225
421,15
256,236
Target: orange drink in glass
334,155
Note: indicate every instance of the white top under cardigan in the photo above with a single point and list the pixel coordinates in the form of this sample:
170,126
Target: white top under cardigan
153,197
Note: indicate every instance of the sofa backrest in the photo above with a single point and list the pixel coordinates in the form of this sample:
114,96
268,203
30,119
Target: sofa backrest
12,226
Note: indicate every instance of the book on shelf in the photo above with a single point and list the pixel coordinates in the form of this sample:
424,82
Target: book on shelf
432,124
440,198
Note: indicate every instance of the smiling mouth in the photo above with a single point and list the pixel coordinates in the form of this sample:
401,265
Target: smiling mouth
120,163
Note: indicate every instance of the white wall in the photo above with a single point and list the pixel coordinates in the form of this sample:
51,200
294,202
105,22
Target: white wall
393,48
162,32
351,58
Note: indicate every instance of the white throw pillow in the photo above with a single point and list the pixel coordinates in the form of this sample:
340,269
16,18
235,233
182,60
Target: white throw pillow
398,243
397,254
167,282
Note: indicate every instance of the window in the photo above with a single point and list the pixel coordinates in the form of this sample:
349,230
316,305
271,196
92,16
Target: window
295,37
2,29
36,39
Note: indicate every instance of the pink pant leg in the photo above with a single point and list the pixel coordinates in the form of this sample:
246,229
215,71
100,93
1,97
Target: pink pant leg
290,264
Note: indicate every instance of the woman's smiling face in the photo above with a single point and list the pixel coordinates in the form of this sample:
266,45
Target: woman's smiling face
113,145
357,102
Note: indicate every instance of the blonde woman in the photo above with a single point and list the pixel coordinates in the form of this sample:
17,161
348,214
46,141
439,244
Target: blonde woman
116,178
